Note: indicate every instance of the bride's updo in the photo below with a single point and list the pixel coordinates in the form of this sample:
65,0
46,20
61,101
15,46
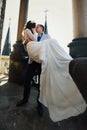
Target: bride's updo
28,32
30,25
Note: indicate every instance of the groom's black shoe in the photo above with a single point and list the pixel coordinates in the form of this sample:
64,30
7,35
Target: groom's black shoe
40,109
21,103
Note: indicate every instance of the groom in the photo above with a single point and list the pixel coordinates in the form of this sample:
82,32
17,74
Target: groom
33,68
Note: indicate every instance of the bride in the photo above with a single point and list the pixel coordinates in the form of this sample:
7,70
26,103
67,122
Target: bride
58,91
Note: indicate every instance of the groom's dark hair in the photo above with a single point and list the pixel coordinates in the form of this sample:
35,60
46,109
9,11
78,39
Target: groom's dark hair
41,26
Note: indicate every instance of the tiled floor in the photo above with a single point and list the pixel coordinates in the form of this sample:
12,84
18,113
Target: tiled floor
26,117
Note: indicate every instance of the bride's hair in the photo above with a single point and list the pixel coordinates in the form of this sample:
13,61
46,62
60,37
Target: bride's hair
30,25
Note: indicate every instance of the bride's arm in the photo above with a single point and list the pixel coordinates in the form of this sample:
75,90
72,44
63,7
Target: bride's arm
27,36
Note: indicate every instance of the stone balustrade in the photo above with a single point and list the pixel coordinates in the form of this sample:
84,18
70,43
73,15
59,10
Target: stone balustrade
4,64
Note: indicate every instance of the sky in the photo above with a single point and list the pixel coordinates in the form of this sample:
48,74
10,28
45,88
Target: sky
59,18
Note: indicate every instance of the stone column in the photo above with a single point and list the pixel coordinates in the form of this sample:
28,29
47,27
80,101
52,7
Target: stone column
2,14
22,17
19,57
78,46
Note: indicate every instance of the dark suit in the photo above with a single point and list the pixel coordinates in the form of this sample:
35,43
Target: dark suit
31,71
32,68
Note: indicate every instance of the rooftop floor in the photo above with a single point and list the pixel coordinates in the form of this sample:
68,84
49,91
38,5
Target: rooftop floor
26,117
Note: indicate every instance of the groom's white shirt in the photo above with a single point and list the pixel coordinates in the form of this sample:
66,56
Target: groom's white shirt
44,37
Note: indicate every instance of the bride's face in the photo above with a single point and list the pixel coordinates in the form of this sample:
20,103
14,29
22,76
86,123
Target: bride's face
31,36
34,30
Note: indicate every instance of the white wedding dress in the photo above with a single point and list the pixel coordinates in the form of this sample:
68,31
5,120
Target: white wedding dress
58,91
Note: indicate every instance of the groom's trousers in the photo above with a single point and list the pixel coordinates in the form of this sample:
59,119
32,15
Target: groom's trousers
30,73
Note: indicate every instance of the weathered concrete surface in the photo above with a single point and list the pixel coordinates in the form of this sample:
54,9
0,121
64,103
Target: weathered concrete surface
26,117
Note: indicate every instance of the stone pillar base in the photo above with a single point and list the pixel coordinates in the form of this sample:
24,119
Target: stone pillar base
18,63
78,71
78,47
